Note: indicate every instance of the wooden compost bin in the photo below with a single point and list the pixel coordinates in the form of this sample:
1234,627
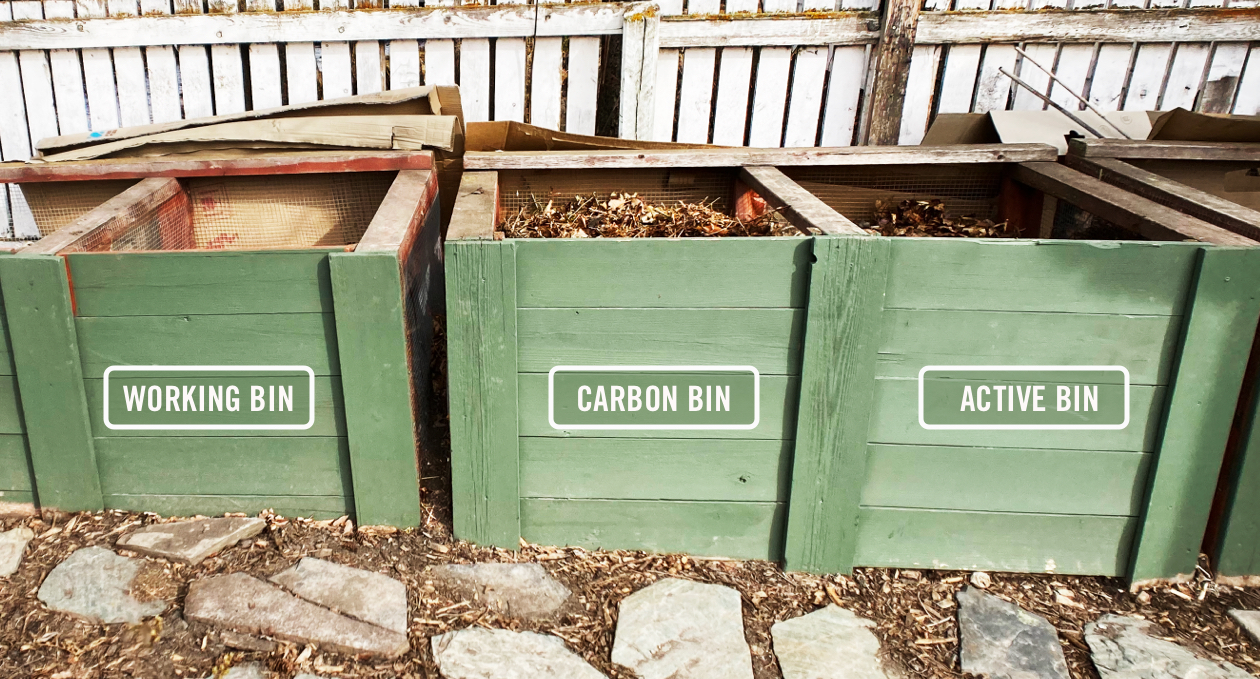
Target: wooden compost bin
838,473
323,261
1218,183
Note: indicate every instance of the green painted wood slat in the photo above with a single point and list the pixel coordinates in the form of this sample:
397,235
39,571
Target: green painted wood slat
15,464
314,506
11,421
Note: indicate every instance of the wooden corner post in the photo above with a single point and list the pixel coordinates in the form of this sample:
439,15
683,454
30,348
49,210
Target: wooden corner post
892,71
482,372
1217,331
842,333
50,380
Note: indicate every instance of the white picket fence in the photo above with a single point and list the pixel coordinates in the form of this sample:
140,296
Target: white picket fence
733,72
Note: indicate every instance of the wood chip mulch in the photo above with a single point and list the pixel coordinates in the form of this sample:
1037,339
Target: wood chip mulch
629,216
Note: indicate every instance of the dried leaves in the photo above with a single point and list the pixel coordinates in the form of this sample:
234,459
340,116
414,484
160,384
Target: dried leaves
928,218
629,216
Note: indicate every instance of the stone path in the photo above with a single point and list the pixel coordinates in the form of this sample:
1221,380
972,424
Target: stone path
94,583
679,629
520,590
190,542
1004,641
1127,648
830,643
371,597
478,653
12,545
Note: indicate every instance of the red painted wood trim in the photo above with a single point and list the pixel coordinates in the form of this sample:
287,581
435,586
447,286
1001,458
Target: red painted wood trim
136,168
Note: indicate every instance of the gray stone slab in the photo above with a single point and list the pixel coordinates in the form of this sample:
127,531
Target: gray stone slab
830,643
479,653
370,597
1126,648
1249,621
1004,641
679,629
246,642
12,545
93,583
519,590
246,604
250,670
190,542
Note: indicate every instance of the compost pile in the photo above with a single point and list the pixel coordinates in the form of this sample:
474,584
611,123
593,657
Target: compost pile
629,216
928,219
914,611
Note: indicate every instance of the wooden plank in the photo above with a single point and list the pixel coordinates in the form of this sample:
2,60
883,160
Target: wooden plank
316,162
1166,150
482,359
1027,480
98,78
163,74
844,93
1237,552
67,78
133,87
1185,76
1125,278
476,206
404,64
921,87
46,354
1111,72
739,530
474,79
1072,70
658,273
582,84
301,73
803,209
1117,25
197,465
752,30
657,469
668,69
892,70
439,62
1216,341
645,95
757,337
401,214
313,506
335,70
228,76
15,467
330,419
1222,77
1052,543
958,84
376,381
194,78
545,82
509,79
1247,102
1152,220
1147,79
369,76
993,90
1043,54
893,155
117,212
695,101
734,77
264,75
809,74
10,406
846,294
1201,204
770,97
778,414
191,282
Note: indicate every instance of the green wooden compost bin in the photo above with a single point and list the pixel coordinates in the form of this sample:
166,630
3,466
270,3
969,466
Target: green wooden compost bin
838,472
1218,183
311,276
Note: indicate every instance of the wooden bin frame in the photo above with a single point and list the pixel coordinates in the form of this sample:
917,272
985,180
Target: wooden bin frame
1233,538
846,289
368,299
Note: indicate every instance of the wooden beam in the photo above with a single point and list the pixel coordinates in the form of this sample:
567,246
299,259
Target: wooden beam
1165,150
316,162
409,198
734,30
476,207
1201,204
892,71
118,212
1090,26
802,208
1152,220
739,157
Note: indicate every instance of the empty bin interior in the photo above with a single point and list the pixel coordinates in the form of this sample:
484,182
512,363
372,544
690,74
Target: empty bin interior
56,204
1237,181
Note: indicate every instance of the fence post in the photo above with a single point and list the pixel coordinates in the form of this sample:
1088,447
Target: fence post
640,48
892,71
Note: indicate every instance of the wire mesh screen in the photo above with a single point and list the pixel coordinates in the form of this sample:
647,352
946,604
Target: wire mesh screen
518,190
56,204
250,213
852,190
1072,223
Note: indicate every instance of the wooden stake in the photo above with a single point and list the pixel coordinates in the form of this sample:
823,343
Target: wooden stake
892,70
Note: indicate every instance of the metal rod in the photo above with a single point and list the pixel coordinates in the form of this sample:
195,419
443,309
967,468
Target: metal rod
1069,90
1075,118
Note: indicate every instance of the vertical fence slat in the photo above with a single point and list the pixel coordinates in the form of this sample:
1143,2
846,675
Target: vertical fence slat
369,76
1185,76
667,74
301,75
264,75
805,105
162,71
993,89
41,114
67,76
1110,74
509,79
704,6
733,6
778,5
229,79
1072,70
474,79
98,79
439,64
958,84
545,82
1149,68
335,68
734,78
696,94
670,7
1222,78
770,97
844,92
1247,102
1044,55
583,85
404,64
133,89
15,144
194,76
920,86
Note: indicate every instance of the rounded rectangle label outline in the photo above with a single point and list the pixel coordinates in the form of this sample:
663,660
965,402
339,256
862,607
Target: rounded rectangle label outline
551,400
1028,368
310,422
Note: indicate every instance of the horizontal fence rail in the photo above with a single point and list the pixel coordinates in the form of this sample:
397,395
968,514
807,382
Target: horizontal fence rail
739,72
